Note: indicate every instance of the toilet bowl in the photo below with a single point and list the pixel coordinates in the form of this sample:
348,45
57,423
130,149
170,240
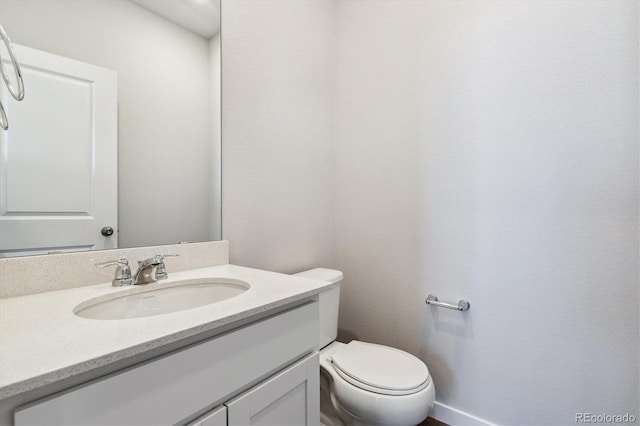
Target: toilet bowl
376,385
365,383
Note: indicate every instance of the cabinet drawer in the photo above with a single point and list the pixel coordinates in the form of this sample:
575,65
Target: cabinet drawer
173,388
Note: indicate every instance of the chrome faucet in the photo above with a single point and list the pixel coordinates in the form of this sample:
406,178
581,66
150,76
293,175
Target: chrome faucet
149,270
146,268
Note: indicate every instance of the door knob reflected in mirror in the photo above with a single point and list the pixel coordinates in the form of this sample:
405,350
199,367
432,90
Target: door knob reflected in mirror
107,231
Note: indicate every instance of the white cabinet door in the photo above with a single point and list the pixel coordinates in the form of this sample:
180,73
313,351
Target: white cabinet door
215,417
291,397
58,159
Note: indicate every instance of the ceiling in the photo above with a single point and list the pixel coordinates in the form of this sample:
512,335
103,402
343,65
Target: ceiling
199,16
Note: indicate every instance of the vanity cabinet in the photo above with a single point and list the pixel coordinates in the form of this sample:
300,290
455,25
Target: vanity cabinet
215,417
266,372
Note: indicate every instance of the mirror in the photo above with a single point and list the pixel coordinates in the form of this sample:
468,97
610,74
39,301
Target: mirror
167,58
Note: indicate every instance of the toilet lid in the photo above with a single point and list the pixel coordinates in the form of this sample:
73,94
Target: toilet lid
380,369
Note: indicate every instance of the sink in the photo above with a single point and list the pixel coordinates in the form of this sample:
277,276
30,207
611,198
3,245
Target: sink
162,299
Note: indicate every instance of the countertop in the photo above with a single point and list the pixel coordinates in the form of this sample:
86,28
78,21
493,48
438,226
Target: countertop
42,341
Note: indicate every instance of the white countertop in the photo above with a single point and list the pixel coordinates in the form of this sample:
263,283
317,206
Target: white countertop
43,341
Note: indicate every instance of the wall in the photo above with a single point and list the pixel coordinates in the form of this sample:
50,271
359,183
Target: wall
164,107
215,205
276,126
489,151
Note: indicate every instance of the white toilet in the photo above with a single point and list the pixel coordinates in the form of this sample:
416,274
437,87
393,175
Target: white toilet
365,383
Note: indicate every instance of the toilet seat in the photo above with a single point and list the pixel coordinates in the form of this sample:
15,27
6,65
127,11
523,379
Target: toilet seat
380,369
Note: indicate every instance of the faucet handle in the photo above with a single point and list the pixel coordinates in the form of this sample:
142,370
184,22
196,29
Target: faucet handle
123,271
161,270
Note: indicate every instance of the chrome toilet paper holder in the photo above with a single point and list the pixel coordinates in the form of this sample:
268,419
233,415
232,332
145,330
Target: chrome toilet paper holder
462,305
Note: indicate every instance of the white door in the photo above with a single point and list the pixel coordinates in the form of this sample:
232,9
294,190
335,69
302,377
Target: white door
291,397
58,159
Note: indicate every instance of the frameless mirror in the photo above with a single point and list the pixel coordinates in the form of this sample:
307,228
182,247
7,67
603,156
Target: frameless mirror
149,69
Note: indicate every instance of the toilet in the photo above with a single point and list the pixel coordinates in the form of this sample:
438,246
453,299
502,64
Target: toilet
365,383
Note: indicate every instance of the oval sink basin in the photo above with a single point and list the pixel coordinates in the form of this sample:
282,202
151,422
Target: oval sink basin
172,297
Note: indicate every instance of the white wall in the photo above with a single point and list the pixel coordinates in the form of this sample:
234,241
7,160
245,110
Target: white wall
482,150
485,150
277,133
489,151
164,107
215,206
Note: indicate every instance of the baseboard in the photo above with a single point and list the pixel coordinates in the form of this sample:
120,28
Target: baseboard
454,417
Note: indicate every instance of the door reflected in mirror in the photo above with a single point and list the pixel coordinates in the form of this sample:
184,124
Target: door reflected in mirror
166,112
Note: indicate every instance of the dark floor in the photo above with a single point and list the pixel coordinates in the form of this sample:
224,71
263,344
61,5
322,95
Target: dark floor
430,421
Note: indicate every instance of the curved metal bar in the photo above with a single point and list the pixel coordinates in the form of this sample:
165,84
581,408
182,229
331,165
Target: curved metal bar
19,93
462,305
4,124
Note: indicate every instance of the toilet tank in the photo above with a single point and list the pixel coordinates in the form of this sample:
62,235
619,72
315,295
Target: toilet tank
329,302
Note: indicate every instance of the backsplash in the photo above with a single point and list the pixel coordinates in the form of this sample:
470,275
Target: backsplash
20,276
